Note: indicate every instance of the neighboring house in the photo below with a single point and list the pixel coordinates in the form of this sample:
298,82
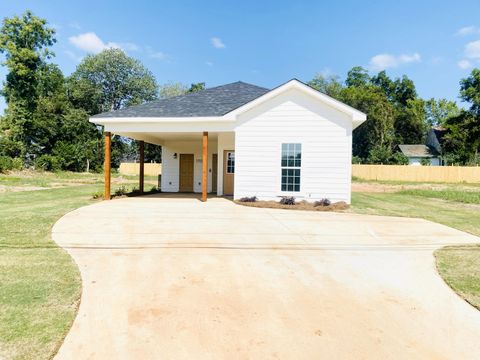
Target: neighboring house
417,153
243,140
435,138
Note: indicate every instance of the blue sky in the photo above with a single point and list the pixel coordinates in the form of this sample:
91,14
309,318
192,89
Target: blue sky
435,43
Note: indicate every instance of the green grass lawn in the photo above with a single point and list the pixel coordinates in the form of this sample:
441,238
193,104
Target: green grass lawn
39,283
458,265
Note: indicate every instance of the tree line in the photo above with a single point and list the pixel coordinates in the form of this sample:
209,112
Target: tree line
45,123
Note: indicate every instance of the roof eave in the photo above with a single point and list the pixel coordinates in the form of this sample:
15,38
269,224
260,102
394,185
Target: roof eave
190,119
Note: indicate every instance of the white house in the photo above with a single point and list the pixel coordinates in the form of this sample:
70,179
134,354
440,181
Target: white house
418,154
243,140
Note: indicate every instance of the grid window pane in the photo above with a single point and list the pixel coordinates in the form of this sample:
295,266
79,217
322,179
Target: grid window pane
291,164
230,162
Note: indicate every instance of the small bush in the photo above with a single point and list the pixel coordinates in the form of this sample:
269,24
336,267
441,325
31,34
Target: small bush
6,163
48,163
97,195
287,200
248,199
322,202
425,162
17,164
122,190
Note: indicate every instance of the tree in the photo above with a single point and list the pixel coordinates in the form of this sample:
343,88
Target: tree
439,111
462,141
24,41
357,77
172,89
196,87
470,91
385,83
110,81
410,123
377,131
329,85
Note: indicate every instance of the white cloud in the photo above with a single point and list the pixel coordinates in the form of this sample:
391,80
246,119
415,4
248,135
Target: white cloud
464,64
91,43
472,50
217,43
471,55
468,30
128,46
158,55
385,61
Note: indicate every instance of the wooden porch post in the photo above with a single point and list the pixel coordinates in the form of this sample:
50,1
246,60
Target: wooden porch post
204,166
107,164
142,166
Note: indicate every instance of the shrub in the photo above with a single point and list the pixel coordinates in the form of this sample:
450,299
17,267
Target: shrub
97,195
6,163
287,200
322,202
425,162
17,164
48,163
356,160
122,190
248,199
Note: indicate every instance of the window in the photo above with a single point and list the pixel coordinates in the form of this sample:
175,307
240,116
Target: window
230,162
291,164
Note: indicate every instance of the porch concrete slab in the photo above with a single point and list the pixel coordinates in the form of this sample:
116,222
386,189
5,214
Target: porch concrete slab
172,277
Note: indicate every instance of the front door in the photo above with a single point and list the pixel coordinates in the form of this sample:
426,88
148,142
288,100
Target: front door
228,171
214,172
186,172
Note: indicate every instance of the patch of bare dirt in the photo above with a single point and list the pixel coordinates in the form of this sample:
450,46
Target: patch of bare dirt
302,205
391,188
4,188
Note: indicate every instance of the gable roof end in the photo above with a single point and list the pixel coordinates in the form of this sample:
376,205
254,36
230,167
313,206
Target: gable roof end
357,116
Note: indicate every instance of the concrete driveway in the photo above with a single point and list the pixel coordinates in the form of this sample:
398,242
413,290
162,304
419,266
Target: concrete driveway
174,278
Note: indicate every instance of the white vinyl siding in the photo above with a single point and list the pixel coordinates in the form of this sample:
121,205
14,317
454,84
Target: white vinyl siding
294,117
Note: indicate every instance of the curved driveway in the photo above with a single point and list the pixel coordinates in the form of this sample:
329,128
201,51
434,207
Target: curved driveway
173,278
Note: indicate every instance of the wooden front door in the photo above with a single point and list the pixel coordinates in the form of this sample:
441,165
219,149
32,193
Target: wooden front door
214,172
186,172
228,171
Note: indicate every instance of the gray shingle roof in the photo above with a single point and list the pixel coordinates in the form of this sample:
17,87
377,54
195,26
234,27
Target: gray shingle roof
216,101
417,151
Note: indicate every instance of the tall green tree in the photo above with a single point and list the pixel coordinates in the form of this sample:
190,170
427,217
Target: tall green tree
330,85
172,89
463,137
357,77
439,111
377,131
25,42
111,80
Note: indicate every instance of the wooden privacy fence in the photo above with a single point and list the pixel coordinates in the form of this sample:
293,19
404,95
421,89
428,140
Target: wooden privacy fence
451,174
152,169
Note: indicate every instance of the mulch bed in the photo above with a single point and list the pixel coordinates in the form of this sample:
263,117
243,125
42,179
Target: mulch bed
301,205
